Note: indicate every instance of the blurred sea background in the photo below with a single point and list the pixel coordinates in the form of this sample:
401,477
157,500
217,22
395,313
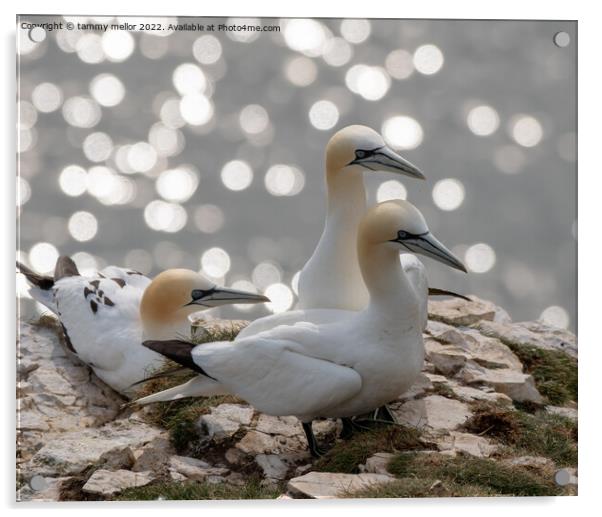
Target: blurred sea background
205,150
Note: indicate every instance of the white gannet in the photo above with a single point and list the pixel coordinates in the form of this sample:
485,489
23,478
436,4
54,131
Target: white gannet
106,317
331,278
351,364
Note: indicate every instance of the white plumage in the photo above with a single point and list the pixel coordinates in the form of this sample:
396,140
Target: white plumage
340,363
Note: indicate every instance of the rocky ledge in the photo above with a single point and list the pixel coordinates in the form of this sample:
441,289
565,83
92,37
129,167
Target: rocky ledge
494,412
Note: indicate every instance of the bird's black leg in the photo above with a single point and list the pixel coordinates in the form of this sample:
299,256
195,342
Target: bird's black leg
348,428
315,450
384,413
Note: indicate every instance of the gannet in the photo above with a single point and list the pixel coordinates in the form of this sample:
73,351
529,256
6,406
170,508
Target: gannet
331,278
350,364
106,316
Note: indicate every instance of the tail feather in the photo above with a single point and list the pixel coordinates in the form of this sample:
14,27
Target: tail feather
433,291
197,387
171,372
178,351
65,267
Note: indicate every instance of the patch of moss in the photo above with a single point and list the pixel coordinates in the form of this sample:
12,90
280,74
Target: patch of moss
465,475
540,434
191,490
554,372
429,487
347,455
443,389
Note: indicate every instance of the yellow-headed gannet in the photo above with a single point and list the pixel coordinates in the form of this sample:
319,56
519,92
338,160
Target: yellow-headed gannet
106,316
331,278
351,363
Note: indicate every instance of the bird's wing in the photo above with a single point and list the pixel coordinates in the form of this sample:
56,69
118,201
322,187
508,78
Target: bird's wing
277,376
100,316
416,273
315,316
129,276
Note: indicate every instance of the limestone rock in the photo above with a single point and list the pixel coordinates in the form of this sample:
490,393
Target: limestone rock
447,359
41,489
108,482
273,467
326,485
532,462
254,443
154,455
283,425
377,463
469,394
566,412
458,312
518,386
192,468
434,412
225,420
535,334
466,443
73,452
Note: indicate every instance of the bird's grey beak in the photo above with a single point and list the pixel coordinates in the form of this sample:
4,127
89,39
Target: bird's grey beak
427,244
385,159
224,296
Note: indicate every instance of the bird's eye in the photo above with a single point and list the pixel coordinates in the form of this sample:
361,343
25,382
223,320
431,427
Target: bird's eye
361,154
197,294
402,235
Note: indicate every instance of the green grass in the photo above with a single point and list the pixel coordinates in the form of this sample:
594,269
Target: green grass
539,434
192,490
466,475
179,416
555,372
427,487
347,455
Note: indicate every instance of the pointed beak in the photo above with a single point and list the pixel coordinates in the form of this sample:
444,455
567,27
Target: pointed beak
223,296
427,244
385,159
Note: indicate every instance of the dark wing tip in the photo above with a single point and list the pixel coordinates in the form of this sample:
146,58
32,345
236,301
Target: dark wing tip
65,267
433,291
42,281
178,351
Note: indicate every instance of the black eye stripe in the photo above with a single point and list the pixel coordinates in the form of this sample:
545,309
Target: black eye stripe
365,153
198,294
403,236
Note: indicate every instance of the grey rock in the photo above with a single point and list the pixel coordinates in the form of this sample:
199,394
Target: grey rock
108,482
377,463
225,420
566,412
434,412
326,485
273,467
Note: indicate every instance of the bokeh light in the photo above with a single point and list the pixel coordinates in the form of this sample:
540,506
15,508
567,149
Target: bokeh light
83,226
402,132
555,316
107,90
391,189
81,112
237,175
207,49
72,180
324,115
305,35
177,184
254,119
196,109
483,120
371,82
117,45
209,218
97,147
480,258
526,130
281,298
355,31
428,59
43,257
166,217
301,71
448,194
284,180
215,262
47,97
188,78
399,64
